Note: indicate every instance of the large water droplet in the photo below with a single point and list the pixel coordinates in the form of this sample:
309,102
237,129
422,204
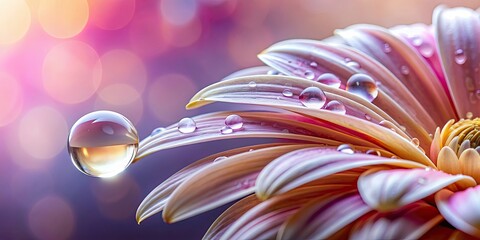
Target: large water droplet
387,124
234,122
345,148
362,85
102,143
312,97
287,92
460,56
330,80
336,106
309,75
187,125
157,131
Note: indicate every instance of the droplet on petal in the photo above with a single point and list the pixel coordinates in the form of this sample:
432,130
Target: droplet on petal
460,56
234,121
330,80
387,48
187,125
469,115
313,97
157,131
422,181
226,130
273,72
313,64
426,50
309,75
287,93
415,142
102,143
363,86
354,64
417,41
404,70
218,159
252,84
345,148
373,152
336,106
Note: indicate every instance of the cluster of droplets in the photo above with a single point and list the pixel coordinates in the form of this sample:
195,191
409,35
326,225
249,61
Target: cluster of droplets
232,123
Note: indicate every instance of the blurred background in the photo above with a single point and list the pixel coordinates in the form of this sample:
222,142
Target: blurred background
144,59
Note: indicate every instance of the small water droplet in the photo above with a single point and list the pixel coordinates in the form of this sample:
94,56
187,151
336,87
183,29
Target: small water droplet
102,143
387,48
415,142
226,130
460,56
336,106
363,86
312,97
404,70
252,84
330,80
387,124
287,92
417,41
354,64
273,72
309,75
422,181
251,150
345,148
426,50
313,64
469,115
428,169
368,117
157,131
218,159
186,125
347,60
373,152
234,121
285,131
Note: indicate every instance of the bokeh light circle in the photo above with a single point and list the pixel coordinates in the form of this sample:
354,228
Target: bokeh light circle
15,19
178,12
63,19
71,72
111,14
11,99
51,218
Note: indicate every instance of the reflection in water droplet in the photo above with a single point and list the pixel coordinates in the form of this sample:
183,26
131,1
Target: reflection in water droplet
252,84
404,70
362,85
157,131
226,130
287,93
186,125
102,143
336,106
345,148
426,50
234,121
330,80
460,56
312,97
387,48
309,75
415,142
373,152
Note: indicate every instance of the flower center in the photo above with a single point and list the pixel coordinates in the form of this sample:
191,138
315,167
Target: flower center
464,134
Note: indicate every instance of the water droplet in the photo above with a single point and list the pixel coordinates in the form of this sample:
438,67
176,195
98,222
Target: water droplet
354,64
415,142
313,64
387,124
460,56
345,148
347,60
234,121
336,106
387,48
273,72
469,115
102,143
218,159
157,131
312,97
309,75
426,50
330,80
362,85
428,169
251,150
417,41
404,70
226,130
186,125
285,131
373,152
422,181
368,117
252,84
287,93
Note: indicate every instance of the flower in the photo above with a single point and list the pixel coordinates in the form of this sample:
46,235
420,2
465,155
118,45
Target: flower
357,110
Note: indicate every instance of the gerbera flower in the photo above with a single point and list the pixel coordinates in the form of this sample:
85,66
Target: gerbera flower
383,139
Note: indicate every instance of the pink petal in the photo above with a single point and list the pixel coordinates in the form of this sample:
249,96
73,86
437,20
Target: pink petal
391,189
461,209
260,70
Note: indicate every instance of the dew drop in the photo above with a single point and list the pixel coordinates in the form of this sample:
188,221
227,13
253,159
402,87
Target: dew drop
469,115
186,125
157,131
387,48
309,75
404,70
312,97
313,64
422,181
426,50
363,86
102,143
273,72
387,124
460,56
234,122
368,117
354,64
347,60
226,130
218,159
252,84
345,148
287,92
417,41
330,80
373,152
336,106
428,169
415,142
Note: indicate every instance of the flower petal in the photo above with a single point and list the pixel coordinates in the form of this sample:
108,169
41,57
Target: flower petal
157,198
308,165
237,91
448,161
391,189
321,219
461,209
260,70
457,31
470,163
222,182
410,222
